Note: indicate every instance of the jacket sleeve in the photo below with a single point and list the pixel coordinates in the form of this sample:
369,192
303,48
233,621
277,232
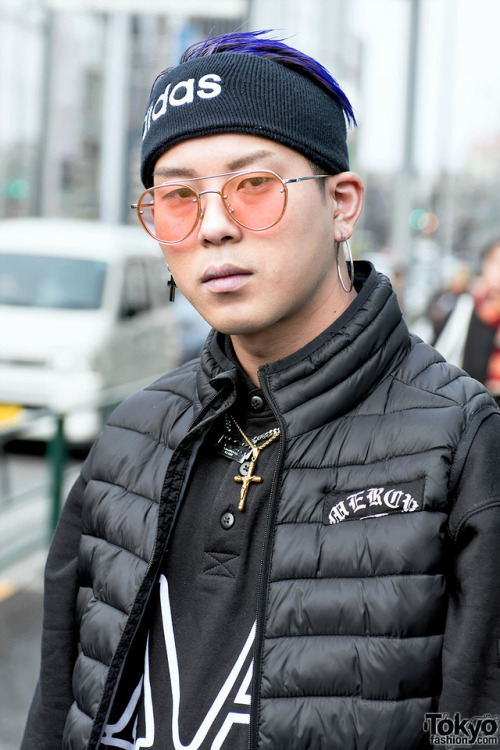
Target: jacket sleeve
470,663
53,695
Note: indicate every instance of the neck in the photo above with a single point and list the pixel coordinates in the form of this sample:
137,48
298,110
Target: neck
254,350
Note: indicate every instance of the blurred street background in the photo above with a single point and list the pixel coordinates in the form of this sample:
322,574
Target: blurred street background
422,76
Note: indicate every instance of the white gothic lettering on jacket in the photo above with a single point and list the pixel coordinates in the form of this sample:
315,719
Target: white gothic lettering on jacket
182,93
375,501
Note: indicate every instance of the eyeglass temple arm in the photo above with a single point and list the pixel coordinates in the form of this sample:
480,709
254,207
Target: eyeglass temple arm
309,177
287,182
291,179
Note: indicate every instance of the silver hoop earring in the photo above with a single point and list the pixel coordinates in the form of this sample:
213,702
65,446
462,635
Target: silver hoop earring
349,263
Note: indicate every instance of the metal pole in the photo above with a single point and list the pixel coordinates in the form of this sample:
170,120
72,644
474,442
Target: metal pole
57,454
409,142
115,118
446,99
44,161
5,486
401,241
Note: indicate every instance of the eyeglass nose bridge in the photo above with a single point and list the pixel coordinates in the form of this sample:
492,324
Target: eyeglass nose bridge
227,206
204,192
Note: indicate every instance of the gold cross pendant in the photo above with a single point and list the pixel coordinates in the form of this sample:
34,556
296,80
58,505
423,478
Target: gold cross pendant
246,480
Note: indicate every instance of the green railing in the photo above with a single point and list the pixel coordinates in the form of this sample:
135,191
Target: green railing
11,501
57,452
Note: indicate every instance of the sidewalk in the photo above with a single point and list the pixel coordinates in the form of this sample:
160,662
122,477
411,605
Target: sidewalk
21,588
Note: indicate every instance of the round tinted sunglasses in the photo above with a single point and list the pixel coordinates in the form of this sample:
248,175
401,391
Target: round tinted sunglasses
253,199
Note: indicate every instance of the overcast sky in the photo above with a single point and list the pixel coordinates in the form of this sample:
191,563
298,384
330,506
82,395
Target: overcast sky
459,80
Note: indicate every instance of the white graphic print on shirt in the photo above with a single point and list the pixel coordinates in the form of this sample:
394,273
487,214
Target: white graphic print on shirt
111,736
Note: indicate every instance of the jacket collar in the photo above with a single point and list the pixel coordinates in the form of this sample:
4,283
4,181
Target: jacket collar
335,371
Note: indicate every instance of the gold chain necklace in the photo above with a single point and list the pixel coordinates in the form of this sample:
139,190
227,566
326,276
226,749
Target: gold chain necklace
249,477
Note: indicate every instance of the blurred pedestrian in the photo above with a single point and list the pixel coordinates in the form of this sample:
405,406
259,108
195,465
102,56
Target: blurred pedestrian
470,337
292,542
443,301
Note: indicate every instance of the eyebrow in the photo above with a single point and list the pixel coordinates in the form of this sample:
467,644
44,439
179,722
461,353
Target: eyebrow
232,166
171,172
245,161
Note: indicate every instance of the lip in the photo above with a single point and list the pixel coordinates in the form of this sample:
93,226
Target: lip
226,278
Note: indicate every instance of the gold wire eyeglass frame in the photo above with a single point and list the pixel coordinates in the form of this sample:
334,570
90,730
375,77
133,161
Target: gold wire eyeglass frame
197,198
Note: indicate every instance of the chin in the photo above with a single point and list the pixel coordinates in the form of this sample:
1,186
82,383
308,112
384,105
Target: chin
236,328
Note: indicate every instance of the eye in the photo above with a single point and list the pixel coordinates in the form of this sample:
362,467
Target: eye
252,183
180,193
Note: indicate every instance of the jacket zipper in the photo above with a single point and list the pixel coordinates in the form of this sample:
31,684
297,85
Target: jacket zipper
194,423
265,570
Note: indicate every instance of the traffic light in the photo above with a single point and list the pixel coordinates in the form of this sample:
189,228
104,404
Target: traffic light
17,189
423,221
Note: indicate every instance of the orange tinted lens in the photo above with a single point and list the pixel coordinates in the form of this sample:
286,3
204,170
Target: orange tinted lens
255,200
169,212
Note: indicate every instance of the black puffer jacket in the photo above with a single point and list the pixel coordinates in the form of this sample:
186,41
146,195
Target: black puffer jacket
375,428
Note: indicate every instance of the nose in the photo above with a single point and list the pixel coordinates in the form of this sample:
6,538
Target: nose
216,226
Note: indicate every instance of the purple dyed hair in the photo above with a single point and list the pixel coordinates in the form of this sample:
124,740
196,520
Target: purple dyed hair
252,43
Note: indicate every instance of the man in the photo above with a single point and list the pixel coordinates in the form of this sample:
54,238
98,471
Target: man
292,542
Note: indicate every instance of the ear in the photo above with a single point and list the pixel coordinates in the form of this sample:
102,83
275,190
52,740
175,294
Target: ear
347,191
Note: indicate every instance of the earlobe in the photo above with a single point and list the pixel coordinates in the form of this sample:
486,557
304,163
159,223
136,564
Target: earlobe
347,190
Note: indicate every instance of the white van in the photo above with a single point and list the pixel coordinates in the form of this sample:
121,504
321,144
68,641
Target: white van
83,309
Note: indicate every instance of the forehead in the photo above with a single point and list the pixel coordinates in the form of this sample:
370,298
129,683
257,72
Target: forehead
227,152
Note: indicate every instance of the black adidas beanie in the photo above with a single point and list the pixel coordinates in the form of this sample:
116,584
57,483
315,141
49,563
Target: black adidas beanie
243,93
